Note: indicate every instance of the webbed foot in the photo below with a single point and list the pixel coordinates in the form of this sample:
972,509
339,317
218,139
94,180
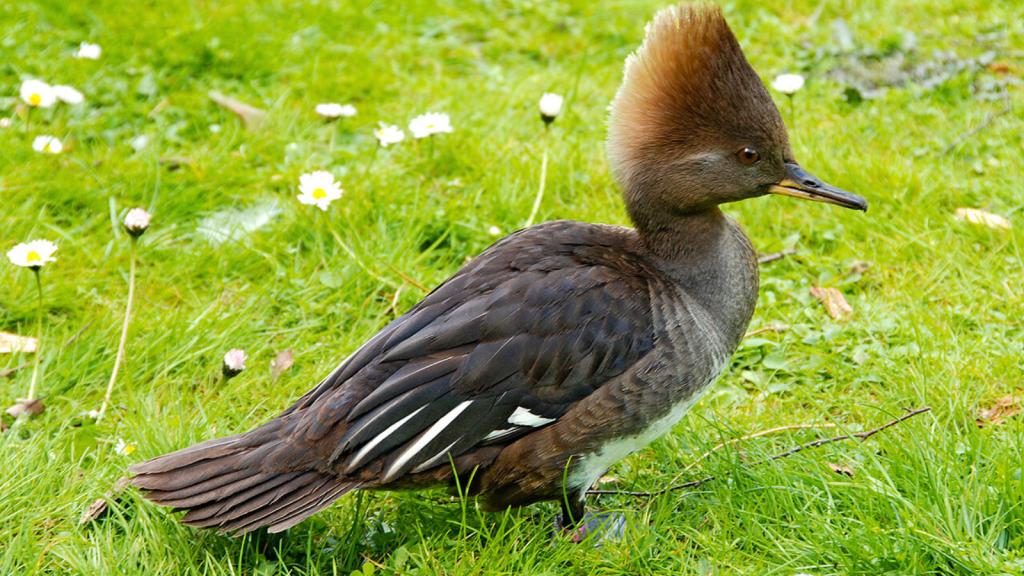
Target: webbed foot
602,527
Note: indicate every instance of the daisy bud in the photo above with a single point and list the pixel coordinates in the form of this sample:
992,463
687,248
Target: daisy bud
550,106
137,221
5,122
788,84
234,363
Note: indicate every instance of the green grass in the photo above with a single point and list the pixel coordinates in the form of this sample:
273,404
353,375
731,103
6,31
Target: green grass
937,318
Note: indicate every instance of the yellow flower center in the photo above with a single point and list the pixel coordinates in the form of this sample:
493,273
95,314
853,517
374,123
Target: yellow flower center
33,257
35,99
430,125
319,194
47,148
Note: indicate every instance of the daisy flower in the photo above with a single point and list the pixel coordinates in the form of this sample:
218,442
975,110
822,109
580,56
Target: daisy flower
34,254
123,448
68,95
88,51
319,189
5,122
47,144
494,231
388,134
334,110
429,124
550,106
38,93
788,84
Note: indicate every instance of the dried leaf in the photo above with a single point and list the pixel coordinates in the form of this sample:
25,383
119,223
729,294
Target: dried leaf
100,506
28,407
251,116
841,469
10,343
1005,407
281,362
834,302
608,480
976,216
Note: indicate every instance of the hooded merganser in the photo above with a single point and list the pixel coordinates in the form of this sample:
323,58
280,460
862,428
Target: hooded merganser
559,350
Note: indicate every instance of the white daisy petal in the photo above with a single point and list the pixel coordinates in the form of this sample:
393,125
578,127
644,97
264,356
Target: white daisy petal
318,189
788,84
429,124
334,110
48,144
33,254
68,95
388,134
38,93
88,51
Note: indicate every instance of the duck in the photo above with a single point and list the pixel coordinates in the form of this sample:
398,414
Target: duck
561,349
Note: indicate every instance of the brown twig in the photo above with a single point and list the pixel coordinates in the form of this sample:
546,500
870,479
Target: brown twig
769,328
757,435
787,453
988,120
776,256
9,371
407,278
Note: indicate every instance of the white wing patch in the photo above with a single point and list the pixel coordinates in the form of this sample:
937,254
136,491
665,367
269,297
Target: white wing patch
425,439
523,417
357,459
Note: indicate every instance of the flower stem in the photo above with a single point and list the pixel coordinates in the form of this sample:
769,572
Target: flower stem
540,189
39,344
792,112
124,331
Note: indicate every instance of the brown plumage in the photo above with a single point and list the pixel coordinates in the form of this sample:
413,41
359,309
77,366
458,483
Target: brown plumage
561,348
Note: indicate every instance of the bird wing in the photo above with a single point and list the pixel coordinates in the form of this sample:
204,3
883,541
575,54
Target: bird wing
508,345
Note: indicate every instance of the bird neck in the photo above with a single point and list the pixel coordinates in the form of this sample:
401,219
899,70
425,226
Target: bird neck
679,238
709,257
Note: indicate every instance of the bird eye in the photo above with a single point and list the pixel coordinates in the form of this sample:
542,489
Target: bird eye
748,155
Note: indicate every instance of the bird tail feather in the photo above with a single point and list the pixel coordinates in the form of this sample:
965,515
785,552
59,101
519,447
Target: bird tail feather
235,484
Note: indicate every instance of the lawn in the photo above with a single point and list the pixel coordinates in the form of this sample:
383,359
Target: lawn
905,104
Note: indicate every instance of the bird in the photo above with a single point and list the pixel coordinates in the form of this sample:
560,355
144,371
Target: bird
560,349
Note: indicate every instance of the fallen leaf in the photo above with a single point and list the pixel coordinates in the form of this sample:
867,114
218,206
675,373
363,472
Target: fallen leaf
100,506
251,116
10,343
844,469
608,480
1005,407
28,407
834,302
976,216
280,363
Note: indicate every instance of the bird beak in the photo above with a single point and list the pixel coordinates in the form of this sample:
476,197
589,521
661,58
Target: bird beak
800,183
